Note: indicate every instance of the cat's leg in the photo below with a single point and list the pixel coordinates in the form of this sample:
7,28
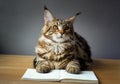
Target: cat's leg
34,62
44,66
73,67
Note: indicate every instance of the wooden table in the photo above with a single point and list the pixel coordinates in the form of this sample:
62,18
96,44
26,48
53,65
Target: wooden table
12,67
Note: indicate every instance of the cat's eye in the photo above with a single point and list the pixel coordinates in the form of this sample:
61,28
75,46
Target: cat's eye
66,27
50,32
55,27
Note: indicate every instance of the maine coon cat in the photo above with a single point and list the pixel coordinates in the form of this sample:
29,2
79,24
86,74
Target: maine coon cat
60,47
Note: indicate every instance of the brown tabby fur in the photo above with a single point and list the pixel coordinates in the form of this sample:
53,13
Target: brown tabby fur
59,47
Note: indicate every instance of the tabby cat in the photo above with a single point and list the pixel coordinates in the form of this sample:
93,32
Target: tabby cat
60,47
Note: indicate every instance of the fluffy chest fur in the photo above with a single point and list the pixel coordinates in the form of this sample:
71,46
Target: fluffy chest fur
54,51
59,48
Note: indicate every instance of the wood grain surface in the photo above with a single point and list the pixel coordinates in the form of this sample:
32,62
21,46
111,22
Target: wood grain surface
12,67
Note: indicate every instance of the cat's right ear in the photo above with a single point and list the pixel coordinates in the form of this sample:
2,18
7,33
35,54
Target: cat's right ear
48,17
71,19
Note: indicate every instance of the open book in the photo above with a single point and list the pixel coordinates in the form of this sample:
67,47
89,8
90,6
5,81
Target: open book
85,77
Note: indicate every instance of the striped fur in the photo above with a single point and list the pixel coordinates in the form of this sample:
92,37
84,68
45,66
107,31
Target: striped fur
59,47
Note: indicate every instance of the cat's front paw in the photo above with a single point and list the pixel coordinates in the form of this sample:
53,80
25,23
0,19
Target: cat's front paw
43,67
73,67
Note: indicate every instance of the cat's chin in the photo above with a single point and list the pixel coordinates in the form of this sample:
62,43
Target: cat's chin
60,40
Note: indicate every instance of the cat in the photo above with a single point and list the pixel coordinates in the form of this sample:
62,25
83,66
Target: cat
60,47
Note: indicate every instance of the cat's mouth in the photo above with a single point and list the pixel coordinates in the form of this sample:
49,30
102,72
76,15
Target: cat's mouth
61,39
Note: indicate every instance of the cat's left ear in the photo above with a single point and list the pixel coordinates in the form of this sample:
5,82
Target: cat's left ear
72,19
48,17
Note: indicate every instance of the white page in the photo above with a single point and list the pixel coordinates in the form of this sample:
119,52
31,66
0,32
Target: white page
31,74
84,75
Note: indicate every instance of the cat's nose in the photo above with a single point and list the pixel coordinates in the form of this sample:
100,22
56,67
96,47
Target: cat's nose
61,32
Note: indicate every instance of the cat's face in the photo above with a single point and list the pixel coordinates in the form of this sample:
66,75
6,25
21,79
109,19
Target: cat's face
58,30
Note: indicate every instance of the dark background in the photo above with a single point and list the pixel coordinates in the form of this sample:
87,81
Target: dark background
21,22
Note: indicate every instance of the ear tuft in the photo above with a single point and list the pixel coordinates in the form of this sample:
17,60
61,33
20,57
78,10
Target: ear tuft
78,13
45,7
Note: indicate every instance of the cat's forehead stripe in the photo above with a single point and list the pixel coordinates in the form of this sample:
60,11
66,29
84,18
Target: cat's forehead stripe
61,22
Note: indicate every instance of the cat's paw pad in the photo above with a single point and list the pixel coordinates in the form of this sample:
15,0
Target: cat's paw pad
73,68
43,67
